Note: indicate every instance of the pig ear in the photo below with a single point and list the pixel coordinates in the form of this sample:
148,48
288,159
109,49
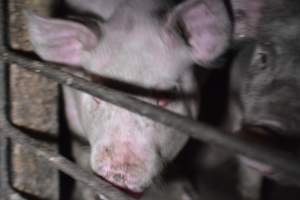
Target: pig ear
206,27
59,41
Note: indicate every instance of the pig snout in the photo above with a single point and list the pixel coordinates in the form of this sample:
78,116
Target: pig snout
266,135
122,166
259,135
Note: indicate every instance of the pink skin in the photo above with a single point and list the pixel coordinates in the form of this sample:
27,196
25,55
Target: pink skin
126,149
207,25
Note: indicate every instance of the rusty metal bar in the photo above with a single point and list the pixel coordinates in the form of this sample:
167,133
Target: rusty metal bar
280,160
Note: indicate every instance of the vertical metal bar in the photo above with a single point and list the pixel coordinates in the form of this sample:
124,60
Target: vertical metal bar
2,16
6,192
4,177
3,139
5,189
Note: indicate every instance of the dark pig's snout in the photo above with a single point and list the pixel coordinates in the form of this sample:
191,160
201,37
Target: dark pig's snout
259,135
274,138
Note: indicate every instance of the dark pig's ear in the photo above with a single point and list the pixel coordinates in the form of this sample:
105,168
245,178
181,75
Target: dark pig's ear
247,15
59,41
206,26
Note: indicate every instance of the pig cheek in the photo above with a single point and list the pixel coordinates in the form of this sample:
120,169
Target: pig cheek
169,142
92,114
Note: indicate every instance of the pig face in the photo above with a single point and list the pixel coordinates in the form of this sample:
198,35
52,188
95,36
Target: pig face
135,48
265,78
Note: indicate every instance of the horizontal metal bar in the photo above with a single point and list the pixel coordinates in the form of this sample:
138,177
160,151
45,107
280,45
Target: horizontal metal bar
63,164
278,159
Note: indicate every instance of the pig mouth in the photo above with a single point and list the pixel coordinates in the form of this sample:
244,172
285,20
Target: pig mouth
269,172
276,139
126,190
263,168
134,194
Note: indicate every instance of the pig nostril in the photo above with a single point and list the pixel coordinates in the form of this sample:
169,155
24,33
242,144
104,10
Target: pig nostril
240,15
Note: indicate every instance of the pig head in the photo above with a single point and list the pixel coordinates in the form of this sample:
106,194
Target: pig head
265,81
134,45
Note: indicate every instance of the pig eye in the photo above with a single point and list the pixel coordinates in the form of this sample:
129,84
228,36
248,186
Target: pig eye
96,100
240,15
164,100
261,58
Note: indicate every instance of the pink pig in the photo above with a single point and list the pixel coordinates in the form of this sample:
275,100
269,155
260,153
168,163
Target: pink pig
135,45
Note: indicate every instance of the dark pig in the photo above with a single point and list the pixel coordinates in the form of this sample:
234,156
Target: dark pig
265,82
133,44
266,79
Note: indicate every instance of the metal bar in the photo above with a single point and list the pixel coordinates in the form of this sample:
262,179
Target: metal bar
280,160
6,190
4,177
63,164
2,23
4,181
